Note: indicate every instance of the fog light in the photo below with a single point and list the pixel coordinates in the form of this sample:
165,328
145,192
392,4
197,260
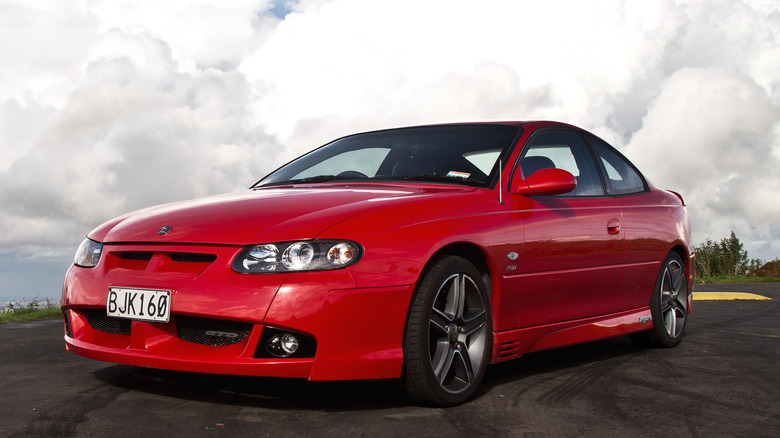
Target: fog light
283,345
289,343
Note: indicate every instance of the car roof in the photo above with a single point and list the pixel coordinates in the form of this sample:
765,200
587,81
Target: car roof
528,123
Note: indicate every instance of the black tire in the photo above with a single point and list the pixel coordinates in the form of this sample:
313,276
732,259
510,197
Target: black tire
669,303
448,334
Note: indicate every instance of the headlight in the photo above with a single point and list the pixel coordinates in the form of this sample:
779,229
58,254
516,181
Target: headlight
88,254
305,255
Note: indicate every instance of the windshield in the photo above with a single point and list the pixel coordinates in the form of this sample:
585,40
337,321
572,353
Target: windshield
454,154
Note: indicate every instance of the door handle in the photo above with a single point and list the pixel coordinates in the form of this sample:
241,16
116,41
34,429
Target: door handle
613,226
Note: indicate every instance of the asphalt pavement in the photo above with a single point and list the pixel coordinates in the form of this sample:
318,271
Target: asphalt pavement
723,380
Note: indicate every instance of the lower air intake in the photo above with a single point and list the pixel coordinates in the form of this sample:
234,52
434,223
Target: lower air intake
98,320
213,332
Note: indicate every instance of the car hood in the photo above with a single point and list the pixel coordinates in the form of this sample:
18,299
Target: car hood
263,215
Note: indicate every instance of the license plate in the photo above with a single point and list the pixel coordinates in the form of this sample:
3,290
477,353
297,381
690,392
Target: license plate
139,304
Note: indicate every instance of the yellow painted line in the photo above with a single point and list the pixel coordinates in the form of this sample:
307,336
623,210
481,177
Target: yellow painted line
711,296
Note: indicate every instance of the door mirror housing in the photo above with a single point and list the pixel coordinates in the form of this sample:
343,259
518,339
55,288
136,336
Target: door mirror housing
544,182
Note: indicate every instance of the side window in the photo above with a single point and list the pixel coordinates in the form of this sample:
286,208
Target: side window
622,177
563,150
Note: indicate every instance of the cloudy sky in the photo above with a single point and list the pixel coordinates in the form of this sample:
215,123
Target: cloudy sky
107,106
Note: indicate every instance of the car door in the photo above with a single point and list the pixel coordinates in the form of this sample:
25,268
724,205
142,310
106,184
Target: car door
647,243
570,264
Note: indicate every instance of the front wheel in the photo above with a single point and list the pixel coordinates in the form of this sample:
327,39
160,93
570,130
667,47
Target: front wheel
669,303
448,334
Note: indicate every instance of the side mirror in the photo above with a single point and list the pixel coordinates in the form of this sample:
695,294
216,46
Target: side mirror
545,182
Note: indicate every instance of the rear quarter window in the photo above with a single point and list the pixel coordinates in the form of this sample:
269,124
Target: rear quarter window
622,176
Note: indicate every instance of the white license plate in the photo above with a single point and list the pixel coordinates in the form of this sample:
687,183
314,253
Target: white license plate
139,304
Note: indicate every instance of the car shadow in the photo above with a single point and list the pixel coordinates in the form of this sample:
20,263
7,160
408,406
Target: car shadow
530,365
250,391
299,394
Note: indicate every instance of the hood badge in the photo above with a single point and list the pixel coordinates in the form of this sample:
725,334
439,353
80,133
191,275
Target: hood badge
164,230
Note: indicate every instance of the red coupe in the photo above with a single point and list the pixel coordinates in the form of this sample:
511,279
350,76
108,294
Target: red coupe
422,253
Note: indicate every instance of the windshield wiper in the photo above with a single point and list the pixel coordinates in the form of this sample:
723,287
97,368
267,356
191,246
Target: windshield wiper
421,177
439,178
311,179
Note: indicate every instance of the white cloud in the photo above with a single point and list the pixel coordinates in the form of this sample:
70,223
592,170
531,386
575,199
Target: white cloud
712,132
43,47
339,59
107,106
216,34
141,127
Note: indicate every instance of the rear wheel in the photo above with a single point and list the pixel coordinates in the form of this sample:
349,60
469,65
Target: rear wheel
669,303
448,332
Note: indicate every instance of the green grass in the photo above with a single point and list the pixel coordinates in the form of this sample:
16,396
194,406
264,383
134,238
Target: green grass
22,315
735,279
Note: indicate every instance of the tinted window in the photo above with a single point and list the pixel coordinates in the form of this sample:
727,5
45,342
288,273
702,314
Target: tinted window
622,177
563,150
448,154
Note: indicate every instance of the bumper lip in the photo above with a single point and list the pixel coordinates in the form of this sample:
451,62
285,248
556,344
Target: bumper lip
290,368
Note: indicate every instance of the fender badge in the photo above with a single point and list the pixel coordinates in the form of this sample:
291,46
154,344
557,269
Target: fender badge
164,230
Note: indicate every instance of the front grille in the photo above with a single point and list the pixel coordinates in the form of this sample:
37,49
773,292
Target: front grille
98,320
181,262
186,257
213,332
135,255
191,257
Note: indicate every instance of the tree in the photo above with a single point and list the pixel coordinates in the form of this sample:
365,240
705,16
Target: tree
725,258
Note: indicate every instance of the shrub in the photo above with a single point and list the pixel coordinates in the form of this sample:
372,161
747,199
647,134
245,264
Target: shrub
724,258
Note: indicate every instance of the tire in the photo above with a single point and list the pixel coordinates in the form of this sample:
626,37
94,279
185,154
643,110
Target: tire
448,334
669,303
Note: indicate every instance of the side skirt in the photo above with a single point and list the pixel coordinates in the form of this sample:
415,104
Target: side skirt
511,344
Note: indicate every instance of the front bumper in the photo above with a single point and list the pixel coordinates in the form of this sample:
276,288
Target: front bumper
157,345
218,317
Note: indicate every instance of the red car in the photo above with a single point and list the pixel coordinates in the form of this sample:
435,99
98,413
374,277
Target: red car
422,253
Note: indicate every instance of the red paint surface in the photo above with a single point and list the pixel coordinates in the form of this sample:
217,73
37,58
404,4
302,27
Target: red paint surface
578,276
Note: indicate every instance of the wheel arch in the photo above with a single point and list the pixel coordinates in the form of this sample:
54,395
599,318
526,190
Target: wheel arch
685,255
680,250
690,269
470,252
